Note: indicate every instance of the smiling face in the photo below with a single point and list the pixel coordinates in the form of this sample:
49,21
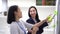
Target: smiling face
33,12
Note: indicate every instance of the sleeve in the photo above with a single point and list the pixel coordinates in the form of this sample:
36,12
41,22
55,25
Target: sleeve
28,25
14,29
44,24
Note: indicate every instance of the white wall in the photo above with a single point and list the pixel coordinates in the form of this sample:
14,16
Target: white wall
25,4
21,3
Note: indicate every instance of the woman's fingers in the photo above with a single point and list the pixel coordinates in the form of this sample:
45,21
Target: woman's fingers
30,31
35,29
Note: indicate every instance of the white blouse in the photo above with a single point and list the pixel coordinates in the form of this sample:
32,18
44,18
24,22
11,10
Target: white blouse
15,28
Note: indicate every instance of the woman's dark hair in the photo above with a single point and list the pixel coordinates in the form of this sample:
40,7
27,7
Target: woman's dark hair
37,17
11,16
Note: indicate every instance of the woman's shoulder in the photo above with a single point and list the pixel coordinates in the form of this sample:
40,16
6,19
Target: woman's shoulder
30,19
13,24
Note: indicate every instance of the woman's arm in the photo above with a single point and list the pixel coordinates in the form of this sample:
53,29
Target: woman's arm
40,23
36,26
29,26
44,21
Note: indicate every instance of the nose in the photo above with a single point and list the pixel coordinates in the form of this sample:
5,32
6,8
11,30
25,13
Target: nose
32,12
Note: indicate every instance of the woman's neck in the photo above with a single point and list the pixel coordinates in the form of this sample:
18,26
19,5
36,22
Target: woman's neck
33,17
17,19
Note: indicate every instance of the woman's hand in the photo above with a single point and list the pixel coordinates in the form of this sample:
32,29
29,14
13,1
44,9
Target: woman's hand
35,29
49,18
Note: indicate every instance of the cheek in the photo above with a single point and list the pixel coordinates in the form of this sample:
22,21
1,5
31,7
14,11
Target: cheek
35,12
18,14
32,13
